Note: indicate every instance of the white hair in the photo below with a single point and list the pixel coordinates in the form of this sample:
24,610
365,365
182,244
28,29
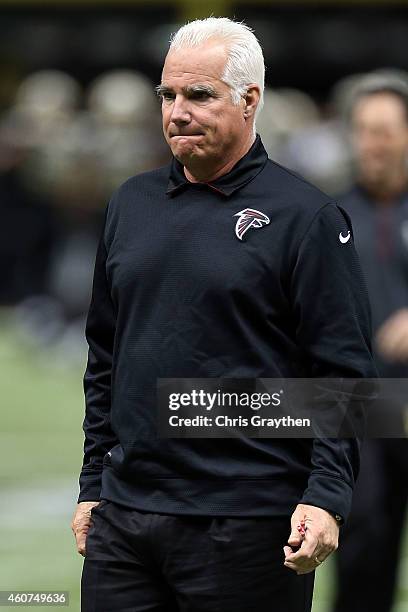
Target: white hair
245,61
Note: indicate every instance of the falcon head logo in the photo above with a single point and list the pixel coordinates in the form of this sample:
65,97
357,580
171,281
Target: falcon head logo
247,218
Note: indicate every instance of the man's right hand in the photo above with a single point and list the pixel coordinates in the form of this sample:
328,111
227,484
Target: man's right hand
81,522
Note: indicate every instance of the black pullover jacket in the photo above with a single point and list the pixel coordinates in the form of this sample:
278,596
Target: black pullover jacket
177,293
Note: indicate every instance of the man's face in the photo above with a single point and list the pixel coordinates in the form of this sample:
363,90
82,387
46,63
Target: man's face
380,137
200,121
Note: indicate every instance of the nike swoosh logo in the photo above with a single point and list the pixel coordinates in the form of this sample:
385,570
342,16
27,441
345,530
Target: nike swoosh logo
344,239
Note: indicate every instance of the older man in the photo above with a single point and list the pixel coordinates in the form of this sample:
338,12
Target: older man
222,264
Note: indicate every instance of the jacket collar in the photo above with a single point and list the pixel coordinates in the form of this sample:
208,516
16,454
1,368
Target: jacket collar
242,173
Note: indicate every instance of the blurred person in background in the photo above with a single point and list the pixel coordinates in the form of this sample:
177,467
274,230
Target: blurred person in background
40,119
378,205
56,172
26,228
189,282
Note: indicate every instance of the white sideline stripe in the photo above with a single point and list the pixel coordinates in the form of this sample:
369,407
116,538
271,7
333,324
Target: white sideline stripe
38,505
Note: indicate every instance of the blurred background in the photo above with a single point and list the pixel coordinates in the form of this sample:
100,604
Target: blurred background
78,115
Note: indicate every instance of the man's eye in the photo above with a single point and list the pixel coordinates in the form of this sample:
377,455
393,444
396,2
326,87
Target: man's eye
201,95
167,96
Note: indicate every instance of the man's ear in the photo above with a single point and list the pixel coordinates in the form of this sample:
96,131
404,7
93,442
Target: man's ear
251,100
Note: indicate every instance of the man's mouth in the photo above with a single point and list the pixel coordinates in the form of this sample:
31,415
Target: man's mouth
186,135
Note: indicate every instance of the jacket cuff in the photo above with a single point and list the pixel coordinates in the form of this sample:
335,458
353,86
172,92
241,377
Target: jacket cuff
332,494
90,484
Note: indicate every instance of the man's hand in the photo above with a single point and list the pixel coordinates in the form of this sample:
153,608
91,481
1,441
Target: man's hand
392,337
81,522
317,539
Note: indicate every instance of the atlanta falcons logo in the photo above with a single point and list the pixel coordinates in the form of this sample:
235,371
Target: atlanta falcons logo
247,218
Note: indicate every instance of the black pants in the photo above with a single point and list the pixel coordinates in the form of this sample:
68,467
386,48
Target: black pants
137,561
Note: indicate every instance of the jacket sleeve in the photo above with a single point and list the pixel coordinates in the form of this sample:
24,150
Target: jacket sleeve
100,332
333,329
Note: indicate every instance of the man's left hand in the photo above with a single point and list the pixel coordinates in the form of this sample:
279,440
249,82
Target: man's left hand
319,538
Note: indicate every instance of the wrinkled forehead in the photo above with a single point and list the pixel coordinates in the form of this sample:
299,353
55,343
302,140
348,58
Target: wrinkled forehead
206,61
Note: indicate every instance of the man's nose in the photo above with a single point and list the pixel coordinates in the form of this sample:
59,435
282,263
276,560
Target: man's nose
180,114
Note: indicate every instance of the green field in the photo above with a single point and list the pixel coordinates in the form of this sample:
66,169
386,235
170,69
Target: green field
41,446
